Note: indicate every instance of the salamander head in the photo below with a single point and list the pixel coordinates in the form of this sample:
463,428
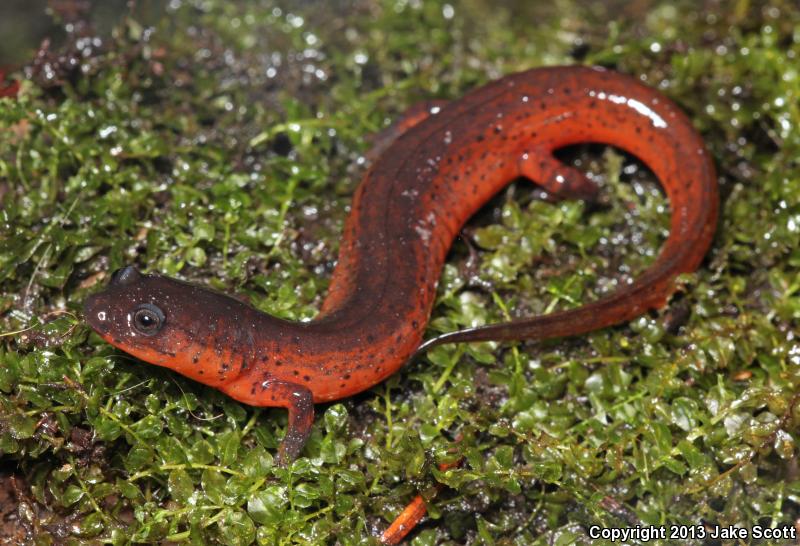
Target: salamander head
167,322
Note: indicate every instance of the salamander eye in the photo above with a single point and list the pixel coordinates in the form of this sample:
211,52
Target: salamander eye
148,319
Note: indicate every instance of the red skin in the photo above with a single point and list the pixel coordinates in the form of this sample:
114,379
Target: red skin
7,90
405,215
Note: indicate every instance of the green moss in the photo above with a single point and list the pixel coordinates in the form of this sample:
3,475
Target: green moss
223,146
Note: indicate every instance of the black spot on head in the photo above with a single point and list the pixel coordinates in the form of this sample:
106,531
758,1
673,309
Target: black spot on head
346,377
306,378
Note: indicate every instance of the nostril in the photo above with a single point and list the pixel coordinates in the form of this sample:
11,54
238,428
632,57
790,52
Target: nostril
96,314
125,275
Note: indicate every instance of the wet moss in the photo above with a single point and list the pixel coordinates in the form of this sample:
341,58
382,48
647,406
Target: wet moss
223,146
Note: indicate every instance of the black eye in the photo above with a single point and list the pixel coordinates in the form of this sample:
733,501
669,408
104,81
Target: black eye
148,319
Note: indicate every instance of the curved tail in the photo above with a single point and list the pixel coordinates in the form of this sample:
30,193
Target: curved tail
668,144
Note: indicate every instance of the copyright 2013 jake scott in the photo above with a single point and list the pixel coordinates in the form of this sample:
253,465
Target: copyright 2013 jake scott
646,533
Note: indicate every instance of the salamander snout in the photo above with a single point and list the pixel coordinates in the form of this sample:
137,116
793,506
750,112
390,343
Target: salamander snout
93,309
125,307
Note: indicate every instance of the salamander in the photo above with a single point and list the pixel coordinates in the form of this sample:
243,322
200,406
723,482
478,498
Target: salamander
434,171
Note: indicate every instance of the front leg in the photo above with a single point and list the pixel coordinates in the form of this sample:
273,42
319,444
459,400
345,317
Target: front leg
560,180
300,403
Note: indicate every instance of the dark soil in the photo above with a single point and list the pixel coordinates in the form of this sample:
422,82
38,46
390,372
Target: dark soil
11,530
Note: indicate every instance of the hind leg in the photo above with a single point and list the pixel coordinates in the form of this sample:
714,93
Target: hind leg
554,177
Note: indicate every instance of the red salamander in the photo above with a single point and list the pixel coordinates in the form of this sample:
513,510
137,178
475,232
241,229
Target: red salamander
432,175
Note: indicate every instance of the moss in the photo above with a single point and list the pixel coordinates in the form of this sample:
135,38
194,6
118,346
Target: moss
223,146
